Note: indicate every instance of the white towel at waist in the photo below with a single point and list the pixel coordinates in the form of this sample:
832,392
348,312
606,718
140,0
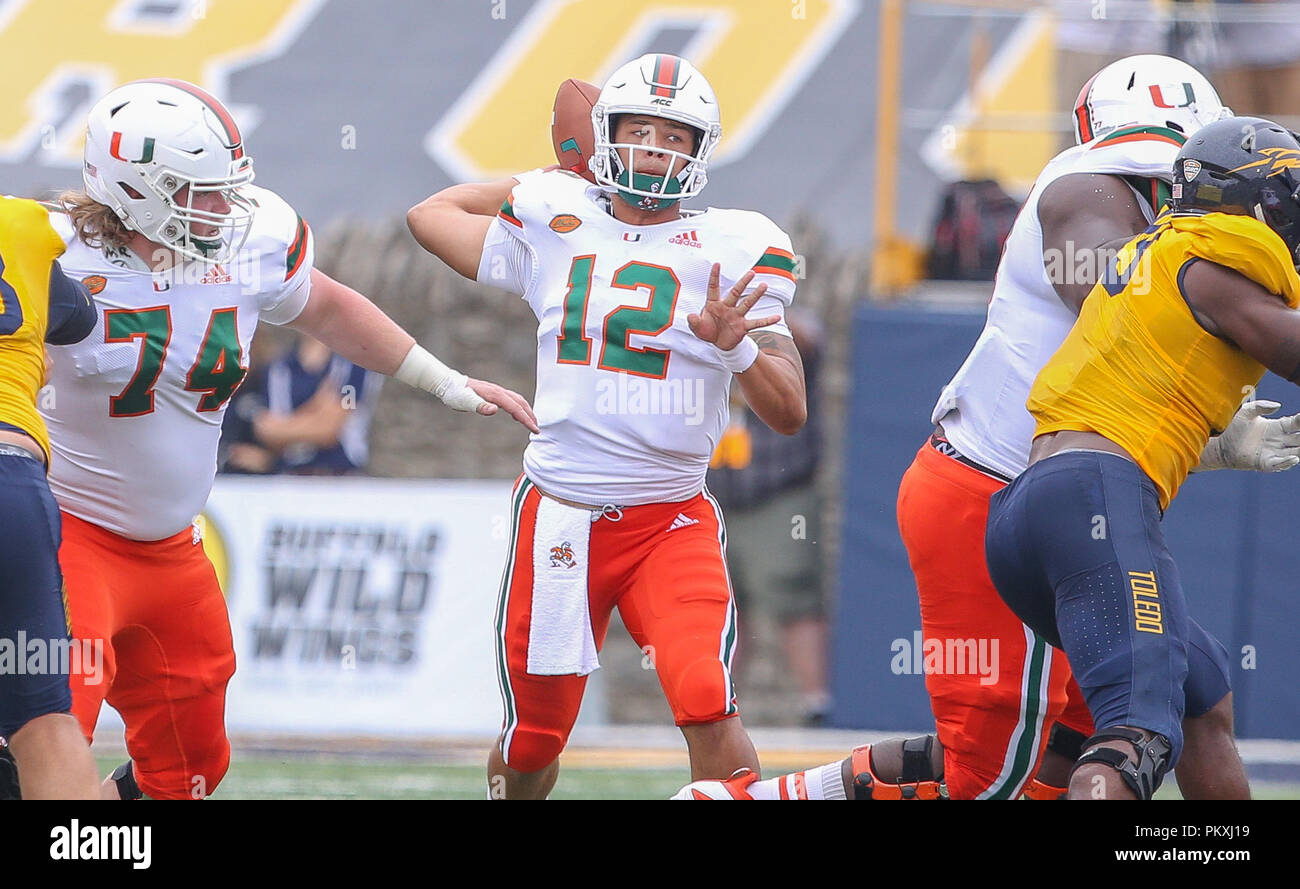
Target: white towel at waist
560,641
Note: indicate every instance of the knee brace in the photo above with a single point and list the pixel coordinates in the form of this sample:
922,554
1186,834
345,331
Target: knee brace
1152,754
917,780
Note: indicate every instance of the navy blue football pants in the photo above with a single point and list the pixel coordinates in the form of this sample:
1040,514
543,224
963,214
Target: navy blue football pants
1075,549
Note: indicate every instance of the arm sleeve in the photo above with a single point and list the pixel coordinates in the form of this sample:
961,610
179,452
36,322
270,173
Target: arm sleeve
72,310
507,261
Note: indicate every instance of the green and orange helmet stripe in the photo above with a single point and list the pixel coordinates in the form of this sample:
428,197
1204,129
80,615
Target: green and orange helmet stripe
233,138
1142,134
666,71
1082,119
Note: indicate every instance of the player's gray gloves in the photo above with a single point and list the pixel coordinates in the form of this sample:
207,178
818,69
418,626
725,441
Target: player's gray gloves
1254,441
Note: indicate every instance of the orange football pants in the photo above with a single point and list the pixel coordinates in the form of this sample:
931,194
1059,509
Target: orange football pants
168,652
671,588
993,732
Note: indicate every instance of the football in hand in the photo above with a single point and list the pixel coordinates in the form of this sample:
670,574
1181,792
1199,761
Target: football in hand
571,132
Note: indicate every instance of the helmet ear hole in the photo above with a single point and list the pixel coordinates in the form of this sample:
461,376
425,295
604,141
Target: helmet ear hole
130,192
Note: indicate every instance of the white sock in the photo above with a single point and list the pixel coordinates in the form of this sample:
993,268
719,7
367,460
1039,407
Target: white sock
823,782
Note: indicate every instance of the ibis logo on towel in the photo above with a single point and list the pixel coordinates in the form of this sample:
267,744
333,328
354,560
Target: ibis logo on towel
562,556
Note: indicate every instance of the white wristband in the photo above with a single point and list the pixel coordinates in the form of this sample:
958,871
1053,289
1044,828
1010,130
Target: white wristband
741,358
421,369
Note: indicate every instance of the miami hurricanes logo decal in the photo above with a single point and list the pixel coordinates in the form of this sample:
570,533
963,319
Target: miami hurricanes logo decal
562,556
146,155
1166,96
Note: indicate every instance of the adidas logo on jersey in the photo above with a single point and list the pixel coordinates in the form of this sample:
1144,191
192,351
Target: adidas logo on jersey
216,275
682,521
687,239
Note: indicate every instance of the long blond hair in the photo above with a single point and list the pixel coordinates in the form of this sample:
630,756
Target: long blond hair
96,224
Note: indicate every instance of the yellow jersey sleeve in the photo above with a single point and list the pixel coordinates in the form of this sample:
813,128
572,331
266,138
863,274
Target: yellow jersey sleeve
1138,368
28,247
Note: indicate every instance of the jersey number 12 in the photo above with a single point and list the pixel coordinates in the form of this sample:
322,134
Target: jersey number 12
574,346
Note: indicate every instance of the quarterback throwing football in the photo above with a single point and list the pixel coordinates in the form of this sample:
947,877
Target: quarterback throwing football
645,311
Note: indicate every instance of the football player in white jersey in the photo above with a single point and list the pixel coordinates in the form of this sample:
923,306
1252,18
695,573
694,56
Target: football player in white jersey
184,255
645,312
1130,121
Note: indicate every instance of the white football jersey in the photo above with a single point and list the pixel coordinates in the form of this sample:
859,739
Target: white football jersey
983,408
630,402
136,407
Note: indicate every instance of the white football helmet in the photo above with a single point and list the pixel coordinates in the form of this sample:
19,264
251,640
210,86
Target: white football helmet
656,85
1146,90
153,149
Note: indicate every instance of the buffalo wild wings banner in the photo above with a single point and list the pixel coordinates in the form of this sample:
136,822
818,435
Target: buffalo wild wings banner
360,605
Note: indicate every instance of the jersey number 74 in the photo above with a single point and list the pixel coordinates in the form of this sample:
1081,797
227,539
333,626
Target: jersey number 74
217,370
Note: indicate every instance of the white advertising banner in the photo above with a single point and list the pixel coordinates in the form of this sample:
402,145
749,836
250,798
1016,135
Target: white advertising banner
361,605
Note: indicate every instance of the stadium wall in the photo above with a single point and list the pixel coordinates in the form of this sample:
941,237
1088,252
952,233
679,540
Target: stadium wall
1232,533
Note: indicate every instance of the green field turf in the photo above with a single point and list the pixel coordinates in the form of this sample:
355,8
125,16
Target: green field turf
314,776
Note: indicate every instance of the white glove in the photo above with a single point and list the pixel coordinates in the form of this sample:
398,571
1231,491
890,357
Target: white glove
1253,441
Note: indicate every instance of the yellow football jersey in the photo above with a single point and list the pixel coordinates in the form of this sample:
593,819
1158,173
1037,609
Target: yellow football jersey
28,247
1138,369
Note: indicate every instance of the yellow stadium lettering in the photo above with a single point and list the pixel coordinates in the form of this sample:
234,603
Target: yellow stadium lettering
103,43
501,124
